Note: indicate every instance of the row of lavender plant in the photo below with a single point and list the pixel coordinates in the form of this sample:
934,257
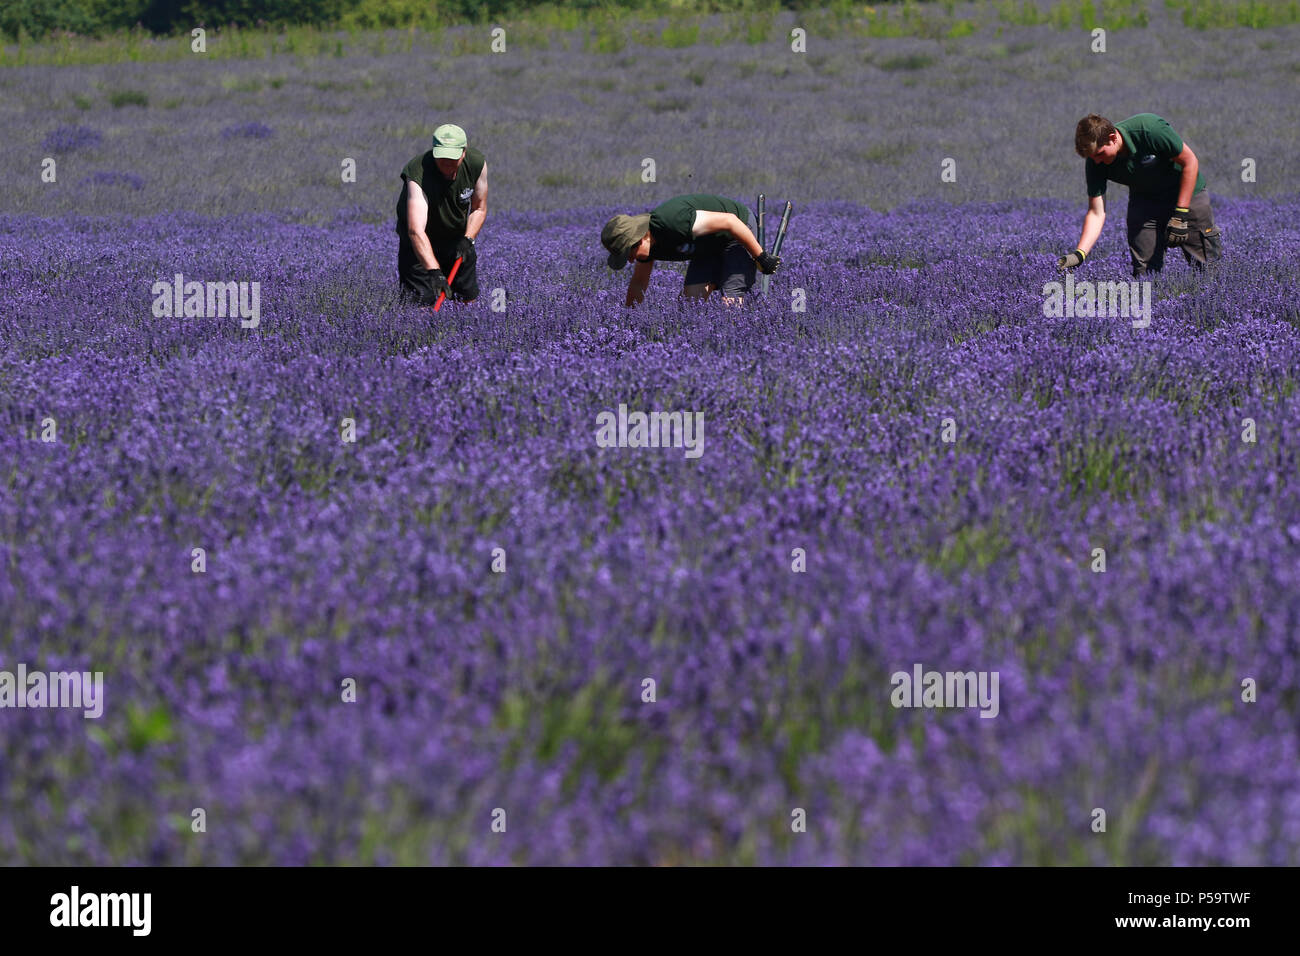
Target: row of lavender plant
919,467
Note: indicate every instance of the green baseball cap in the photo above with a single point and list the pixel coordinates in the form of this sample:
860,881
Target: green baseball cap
621,235
448,142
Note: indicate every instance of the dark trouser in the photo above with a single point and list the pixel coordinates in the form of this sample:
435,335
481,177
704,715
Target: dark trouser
1149,218
415,280
723,262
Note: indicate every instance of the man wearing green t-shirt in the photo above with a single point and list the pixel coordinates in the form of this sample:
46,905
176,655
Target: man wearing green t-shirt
710,232
439,213
1168,204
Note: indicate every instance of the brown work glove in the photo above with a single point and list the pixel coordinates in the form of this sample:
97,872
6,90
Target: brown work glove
1176,235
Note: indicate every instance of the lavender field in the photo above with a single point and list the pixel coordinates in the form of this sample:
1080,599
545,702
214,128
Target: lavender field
903,461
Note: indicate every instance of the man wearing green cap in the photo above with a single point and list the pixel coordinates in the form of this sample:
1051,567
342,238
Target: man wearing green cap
1168,204
439,214
710,232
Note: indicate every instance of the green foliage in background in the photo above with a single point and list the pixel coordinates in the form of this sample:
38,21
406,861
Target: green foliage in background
25,20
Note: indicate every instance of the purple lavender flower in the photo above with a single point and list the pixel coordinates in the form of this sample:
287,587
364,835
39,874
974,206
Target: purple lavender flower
67,139
110,177
251,130
375,650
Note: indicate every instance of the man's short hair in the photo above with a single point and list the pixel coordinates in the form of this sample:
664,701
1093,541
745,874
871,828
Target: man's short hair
1092,133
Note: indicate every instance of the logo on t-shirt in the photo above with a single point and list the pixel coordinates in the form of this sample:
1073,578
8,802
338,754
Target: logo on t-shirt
1146,162
465,194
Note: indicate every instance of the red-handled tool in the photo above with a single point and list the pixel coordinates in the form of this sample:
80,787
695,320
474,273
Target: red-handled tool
451,277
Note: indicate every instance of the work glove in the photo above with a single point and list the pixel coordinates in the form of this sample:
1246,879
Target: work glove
465,249
1071,260
438,283
767,263
1177,232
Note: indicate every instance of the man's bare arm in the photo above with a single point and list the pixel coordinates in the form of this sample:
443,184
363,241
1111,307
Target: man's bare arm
417,217
477,205
707,222
1191,165
639,282
1092,223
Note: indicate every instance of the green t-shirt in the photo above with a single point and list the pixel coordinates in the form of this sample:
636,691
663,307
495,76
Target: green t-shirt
448,199
671,223
1148,168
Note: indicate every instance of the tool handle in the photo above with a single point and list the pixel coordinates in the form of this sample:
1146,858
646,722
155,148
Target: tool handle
780,233
451,277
